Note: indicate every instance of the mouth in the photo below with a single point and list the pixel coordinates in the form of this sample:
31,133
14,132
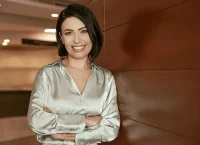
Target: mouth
78,48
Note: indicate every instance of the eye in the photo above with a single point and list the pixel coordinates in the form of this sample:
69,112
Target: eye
68,33
84,31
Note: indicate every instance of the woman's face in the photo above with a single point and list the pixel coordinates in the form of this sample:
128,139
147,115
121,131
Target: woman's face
76,38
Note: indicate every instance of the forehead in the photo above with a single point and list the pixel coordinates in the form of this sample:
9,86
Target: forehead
72,23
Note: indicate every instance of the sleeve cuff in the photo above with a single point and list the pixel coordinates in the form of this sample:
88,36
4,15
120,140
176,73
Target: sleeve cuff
89,137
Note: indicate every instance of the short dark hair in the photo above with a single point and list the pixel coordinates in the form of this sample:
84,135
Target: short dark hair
88,18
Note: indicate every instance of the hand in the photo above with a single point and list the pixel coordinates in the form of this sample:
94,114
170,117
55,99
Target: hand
46,109
64,136
60,136
92,120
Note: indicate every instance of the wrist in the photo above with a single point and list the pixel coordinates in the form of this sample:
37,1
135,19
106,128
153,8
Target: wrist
69,136
86,121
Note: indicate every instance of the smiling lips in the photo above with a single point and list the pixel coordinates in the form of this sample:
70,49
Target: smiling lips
78,48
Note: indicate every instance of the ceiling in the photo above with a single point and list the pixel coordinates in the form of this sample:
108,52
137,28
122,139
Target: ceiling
28,19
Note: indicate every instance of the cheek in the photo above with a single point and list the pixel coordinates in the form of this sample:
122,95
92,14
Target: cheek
90,45
89,41
87,38
67,43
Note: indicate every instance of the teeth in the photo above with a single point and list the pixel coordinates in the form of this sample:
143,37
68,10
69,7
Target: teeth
77,47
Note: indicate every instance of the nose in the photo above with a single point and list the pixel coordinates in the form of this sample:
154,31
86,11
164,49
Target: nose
76,38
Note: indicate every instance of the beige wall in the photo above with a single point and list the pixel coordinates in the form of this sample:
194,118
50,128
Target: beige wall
20,65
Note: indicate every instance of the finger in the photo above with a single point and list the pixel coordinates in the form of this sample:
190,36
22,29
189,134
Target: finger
46,109
43,107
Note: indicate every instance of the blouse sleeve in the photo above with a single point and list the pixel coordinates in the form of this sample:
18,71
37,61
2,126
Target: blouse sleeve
44,123
109,125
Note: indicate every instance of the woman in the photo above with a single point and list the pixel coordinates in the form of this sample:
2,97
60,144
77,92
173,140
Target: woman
74,102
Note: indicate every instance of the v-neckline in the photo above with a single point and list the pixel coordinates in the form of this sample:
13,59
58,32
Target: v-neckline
73,83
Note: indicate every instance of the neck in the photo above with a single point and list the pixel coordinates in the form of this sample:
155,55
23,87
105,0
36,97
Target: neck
77,63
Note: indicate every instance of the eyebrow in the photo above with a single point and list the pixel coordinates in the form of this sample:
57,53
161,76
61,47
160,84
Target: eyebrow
72,30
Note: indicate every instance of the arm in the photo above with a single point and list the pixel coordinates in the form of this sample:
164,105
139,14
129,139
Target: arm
89,121
109,125
44,123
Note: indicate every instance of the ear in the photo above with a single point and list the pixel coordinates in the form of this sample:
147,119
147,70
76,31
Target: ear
61,37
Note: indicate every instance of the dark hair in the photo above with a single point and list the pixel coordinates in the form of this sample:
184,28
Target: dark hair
87,17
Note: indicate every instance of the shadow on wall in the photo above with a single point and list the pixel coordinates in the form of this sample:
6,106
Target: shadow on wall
139,33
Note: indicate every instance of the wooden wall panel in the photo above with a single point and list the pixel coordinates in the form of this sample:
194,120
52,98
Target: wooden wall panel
165,40
83,2
97,7
136,133
165,99
118,11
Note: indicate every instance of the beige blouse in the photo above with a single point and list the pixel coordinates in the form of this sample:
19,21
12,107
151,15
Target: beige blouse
55,89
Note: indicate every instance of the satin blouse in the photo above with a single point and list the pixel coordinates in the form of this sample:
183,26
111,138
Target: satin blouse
55,89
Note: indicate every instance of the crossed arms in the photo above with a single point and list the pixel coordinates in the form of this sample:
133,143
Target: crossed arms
89,122
71,127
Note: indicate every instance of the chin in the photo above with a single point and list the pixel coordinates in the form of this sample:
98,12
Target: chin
79,56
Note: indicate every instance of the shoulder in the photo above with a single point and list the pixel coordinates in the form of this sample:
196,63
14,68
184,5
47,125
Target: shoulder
48,69
107,73
51,66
